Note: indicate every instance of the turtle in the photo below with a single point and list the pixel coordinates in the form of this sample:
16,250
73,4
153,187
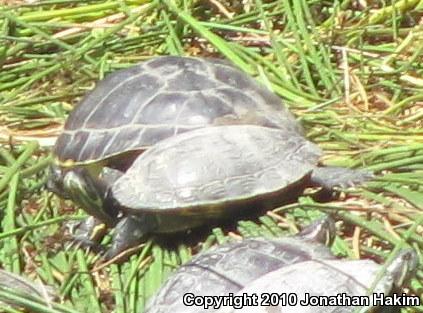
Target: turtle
212,174
134,108
25,288
232,266
329,286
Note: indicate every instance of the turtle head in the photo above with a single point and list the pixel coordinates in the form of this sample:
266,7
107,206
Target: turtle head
322,230
403,267
91,193
55,181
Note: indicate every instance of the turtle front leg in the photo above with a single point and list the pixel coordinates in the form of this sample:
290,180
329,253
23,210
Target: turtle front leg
88,233
129,233
331,177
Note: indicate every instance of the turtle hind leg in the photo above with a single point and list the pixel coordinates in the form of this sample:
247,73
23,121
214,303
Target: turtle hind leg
322,230
331,177
129,233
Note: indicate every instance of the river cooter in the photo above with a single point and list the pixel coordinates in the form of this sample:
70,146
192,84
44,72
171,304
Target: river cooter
210,174
134,108
331,286
232,266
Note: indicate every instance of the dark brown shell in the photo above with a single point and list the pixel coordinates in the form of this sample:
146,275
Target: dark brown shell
215,170
134,108
231,267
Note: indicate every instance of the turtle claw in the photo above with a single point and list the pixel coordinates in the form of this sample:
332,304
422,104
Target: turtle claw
322,230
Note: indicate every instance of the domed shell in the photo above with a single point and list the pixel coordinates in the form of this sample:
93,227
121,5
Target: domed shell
229,268
134,108
25,287
218,168
323,278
